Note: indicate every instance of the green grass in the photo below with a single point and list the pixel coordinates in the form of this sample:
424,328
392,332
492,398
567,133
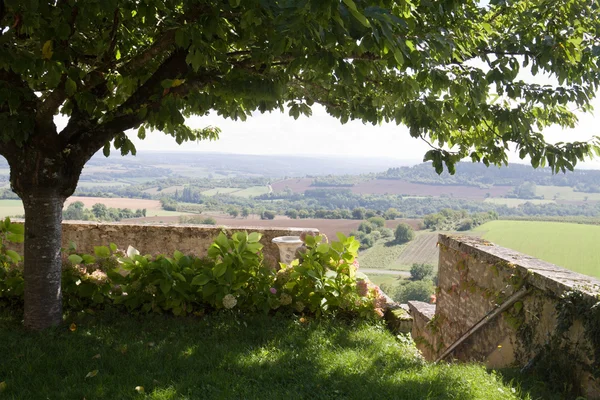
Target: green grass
228,357
516,202
252,191
164,213
565,193
379,280
572,246
9,208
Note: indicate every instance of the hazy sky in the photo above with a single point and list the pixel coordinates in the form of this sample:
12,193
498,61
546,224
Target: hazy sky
277,133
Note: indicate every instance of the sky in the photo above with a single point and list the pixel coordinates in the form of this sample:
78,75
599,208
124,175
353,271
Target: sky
320,134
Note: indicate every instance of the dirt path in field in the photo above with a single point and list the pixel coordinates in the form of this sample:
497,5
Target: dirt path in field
375,271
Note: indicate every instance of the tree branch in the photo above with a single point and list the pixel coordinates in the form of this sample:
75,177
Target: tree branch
45,113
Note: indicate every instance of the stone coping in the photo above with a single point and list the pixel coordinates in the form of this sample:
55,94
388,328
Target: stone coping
424,311
199,226
540,274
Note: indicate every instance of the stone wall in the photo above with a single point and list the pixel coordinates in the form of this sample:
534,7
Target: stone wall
476,277
165,239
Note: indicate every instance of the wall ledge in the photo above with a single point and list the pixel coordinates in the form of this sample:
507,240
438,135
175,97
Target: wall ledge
540,274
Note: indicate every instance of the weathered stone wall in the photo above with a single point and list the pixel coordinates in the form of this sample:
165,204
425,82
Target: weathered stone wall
475,277
165,239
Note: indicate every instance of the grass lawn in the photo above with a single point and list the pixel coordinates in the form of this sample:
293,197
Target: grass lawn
228,357
381,279
252,191
572,246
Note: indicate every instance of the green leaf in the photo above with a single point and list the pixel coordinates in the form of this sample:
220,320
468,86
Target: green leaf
177,255
179,276
102,251
15,238
17,229
357,14
70,87
219,270
222,241
88,259
323,248
165,286
254,237
106,149
75,259
13,255
113,247
200,280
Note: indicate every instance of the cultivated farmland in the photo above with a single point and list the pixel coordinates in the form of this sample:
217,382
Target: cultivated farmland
327,226
399,187
422,250
573,246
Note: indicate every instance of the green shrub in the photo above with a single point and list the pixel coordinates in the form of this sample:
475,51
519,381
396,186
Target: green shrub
386,232
378,222
404,233
365,227
418,272
231,276
415,290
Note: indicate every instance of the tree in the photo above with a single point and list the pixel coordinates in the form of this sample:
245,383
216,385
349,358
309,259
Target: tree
358,213
100,211
404,233
448,70
418,272
75,211
377,222
293,214
233,212
267,215
245,212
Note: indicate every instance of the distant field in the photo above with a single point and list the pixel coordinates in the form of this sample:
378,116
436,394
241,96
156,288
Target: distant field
565,193
422,249
573,246
248,192
168,190
10,208
517,202
379,280
223,190
87,184
328,226
392,186
382,255
252,191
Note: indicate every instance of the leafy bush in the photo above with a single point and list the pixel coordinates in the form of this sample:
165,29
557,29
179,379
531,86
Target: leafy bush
386,232
231,276
415,290
404,233
418,272
267,215
365,227
376,235
377,222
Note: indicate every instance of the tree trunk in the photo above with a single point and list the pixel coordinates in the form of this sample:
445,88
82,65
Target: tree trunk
43,240
43,177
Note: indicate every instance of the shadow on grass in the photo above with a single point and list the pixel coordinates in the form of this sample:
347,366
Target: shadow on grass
224,357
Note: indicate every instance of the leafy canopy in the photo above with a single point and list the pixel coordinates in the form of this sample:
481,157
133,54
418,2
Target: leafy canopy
447,69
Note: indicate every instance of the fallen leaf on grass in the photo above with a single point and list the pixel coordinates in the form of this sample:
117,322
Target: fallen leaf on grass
3,386
97,356
73,327
91,374
139,389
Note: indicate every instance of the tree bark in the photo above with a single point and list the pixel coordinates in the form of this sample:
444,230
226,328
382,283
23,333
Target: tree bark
43,175
43,266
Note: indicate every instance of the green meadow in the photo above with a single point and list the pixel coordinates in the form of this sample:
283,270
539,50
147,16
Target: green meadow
572,246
